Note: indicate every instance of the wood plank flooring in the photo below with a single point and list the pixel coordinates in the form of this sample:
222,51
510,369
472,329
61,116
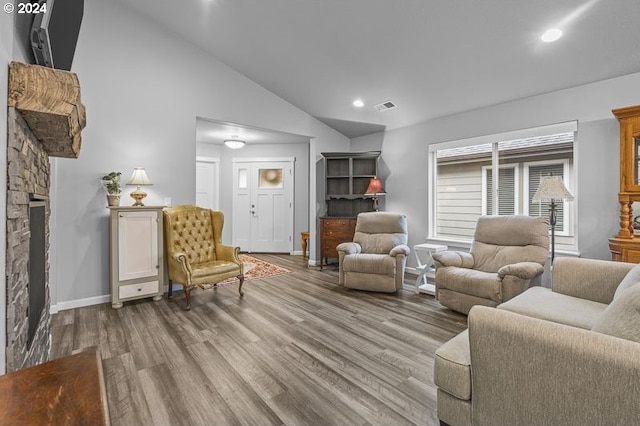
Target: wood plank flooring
297,349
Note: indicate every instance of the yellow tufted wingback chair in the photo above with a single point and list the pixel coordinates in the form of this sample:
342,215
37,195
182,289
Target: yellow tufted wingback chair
195,253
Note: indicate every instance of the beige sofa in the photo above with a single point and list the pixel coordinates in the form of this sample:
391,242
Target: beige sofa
569,355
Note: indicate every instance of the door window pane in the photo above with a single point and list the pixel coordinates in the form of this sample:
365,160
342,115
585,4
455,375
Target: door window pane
243,182
270,178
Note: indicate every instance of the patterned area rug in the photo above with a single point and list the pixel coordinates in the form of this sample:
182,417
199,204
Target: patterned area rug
256,268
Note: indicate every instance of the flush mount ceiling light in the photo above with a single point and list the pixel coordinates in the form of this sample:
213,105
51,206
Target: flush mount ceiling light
234,143
358,103
551,35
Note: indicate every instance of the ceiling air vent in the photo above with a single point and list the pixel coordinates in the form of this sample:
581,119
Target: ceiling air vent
385,106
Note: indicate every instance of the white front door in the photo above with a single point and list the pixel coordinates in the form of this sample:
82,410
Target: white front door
207,182
263,205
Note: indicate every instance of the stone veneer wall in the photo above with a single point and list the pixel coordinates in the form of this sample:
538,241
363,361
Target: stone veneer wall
28,172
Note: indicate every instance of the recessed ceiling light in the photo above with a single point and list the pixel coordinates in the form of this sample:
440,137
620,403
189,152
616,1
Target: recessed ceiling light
358,103
551,35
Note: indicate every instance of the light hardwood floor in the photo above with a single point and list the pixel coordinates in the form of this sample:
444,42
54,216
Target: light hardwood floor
297,349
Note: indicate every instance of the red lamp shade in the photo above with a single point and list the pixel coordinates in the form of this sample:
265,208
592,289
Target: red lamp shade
375,187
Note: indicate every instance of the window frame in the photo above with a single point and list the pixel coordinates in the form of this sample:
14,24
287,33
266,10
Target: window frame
540,131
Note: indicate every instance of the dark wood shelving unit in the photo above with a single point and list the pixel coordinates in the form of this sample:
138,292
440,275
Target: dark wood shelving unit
347,176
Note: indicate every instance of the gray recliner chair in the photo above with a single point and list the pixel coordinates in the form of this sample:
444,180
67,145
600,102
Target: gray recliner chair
376,258
507,254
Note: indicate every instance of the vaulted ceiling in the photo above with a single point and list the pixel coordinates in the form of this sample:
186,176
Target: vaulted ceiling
431,57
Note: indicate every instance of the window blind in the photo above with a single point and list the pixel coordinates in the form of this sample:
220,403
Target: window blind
506,191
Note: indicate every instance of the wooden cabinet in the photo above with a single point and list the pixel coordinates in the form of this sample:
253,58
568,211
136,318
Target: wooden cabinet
136,254
625,246
333,231
347,177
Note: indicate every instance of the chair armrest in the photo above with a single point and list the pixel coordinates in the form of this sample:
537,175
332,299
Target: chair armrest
183,261
590,279
531,371
453,258
522,270
400,249
230,253
349,248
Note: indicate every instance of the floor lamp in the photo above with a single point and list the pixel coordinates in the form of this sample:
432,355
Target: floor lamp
551,189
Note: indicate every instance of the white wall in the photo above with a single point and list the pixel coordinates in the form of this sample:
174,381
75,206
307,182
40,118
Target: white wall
404,153
299,151
143,88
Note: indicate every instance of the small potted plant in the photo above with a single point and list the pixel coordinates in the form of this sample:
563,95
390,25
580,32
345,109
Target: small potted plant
111,183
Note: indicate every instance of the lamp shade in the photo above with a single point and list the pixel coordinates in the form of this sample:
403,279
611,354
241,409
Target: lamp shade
139,177
234,143
375,187
551,188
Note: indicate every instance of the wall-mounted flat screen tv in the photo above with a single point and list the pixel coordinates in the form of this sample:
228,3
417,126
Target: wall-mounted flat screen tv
54,33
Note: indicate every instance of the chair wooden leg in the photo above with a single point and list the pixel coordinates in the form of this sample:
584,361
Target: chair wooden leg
170,291
187,295
241,278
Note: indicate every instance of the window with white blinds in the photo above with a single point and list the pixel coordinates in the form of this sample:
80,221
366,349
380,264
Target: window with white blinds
462,180
506,191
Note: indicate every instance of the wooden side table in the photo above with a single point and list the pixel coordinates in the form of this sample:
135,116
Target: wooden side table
305,242
425,271
67,391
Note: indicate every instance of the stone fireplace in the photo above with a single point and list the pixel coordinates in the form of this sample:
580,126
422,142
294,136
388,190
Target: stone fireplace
27,180
45,118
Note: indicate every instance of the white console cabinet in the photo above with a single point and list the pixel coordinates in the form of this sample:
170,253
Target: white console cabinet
136,254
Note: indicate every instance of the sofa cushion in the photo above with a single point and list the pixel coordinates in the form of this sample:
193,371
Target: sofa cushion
622,316
632,277
542,303
452,368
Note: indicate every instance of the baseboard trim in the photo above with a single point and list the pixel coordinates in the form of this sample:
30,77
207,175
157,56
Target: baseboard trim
97,300
79,303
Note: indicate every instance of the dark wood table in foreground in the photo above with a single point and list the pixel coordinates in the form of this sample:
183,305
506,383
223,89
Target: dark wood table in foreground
67,391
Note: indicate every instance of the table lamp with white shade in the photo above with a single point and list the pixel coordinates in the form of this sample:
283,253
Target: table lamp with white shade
139,178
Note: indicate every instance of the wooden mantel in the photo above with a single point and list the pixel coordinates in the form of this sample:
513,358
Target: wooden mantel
49,101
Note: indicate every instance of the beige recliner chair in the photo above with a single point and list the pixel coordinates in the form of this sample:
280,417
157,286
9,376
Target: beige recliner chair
376,258
506,254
